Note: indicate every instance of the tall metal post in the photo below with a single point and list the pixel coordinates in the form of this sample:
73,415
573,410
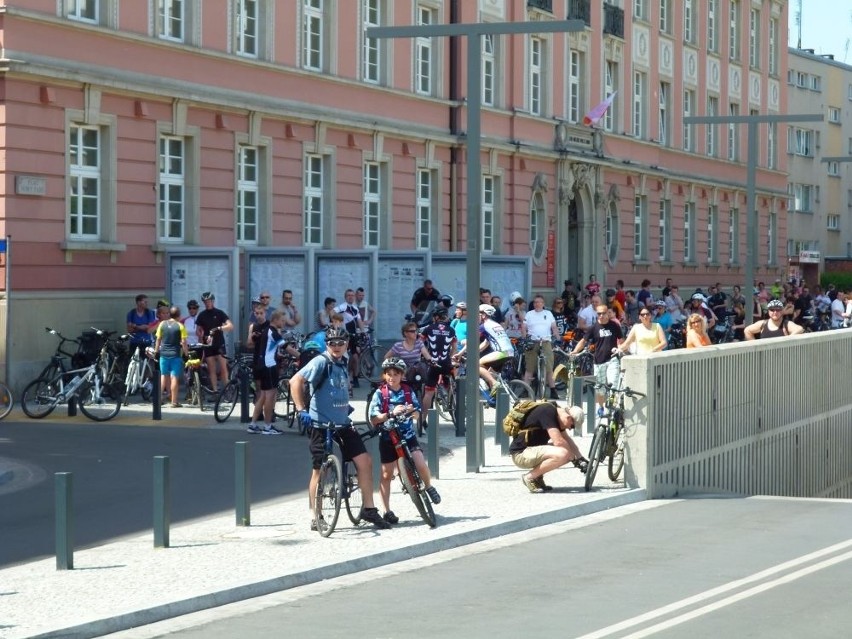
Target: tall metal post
64,495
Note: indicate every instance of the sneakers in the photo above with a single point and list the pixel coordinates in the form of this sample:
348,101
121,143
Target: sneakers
372,515
391,518
270,429
485,394
492,402
529,483
254,429
539,483
176,405
554,394
433,495
314,523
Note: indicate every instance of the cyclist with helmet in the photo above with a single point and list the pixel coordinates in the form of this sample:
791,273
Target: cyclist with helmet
459,325
328,401
494,345
698,304
775,326
394,398
439,346
211,325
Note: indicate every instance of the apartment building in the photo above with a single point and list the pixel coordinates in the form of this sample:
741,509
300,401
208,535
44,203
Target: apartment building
135,128
819,214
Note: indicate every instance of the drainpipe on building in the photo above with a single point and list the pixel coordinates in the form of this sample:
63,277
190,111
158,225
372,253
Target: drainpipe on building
455,127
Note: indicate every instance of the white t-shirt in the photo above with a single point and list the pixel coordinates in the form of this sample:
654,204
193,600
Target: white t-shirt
836,313
539,324
191,336
589,315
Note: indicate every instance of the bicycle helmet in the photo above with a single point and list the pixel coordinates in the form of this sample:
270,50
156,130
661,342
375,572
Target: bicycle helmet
774,304
699,297
462,306
440,312
336,332
486,309
446,300
394,362
207,295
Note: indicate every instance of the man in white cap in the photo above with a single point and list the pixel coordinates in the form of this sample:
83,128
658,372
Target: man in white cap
543,445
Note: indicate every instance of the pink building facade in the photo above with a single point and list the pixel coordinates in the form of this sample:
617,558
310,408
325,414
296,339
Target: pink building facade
130,128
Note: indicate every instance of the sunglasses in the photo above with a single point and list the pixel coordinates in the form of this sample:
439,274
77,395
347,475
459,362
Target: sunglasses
337,342
644,315
409,330
604,313
264,297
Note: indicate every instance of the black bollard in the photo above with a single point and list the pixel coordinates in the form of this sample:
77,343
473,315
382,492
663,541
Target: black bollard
242,480
245,414
460,402
162,502
64,521
502,410
156,396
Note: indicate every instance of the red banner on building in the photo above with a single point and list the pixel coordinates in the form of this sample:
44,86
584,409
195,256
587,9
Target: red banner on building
551,259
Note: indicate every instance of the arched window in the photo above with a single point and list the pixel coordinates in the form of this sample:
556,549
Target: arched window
612,233
538,228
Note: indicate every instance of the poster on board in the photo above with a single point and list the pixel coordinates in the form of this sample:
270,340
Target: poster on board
275,273
336,274
398,278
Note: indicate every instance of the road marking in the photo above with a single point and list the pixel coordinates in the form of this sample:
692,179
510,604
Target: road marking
733,585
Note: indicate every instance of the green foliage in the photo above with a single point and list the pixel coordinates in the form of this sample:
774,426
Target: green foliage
841,281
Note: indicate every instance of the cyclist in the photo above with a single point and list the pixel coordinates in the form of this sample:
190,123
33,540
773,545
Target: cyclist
459,325
394,399
605,335
211,325
439,345
775,326
495,346
540,326
171,344
329,402
266,368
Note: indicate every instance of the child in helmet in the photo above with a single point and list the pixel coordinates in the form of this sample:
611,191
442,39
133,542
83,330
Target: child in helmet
396,399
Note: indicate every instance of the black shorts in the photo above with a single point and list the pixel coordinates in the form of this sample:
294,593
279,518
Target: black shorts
350,442
436,369
387,452
268,377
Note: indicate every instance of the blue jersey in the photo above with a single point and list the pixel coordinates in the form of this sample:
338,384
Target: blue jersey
331,402
395,398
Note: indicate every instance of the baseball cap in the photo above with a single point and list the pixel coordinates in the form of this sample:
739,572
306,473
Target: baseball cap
578,415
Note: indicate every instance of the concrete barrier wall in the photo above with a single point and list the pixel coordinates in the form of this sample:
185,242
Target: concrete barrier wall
770,418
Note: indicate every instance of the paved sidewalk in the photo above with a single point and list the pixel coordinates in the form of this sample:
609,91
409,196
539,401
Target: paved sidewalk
128,583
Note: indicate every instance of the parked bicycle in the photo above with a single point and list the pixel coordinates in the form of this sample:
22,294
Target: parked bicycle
338,482
412,484
240,370
6,400
97,399
573,365
140,374
196,378
371,354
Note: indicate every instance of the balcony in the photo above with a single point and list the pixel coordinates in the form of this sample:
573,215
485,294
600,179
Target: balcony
580,10
613,20
541,5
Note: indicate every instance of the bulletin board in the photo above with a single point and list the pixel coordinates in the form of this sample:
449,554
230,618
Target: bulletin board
336,272
502,275
273,271
398,275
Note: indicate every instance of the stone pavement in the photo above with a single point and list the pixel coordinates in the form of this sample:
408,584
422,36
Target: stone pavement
211,562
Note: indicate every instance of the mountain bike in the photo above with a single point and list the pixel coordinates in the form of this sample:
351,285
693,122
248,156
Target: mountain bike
98,400
516,389
240,368
412,483
445,397
338,482
197,378
59,360
572,366
371,355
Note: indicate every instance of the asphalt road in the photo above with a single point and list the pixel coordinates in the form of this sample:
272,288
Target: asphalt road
698,568
112,468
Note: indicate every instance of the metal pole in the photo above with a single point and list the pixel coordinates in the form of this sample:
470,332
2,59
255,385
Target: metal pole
162,502
432,456
8,308
502,410
242,488
156,395
751,222
461,384
64,507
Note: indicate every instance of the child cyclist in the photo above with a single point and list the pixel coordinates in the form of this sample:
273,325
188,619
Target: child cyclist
394,399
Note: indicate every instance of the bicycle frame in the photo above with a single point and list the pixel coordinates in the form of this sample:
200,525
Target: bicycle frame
412,482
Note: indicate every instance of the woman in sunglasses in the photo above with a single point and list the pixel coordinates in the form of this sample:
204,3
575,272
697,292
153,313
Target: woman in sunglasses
648,336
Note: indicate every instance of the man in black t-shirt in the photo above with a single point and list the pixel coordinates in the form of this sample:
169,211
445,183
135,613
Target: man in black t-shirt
426,293
439,345
542,444
211,325
605,335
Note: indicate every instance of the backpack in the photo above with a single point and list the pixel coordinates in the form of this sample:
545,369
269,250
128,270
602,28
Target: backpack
385,391
513,423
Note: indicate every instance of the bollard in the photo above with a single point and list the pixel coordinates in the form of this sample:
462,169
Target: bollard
72,406
156,394
64,485
245,414
372,445
432,455
591,410
480,453
502,410
162,502
460,402
242,488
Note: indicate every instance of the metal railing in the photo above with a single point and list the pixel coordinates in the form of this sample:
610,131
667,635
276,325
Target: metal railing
613,20
580,10
543,5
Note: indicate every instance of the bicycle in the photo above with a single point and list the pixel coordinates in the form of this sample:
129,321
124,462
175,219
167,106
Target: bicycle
58,361
196,377
371,354
6,400
608,441
516,389
239,369
444,399
98,400
574,365
337,482
539,386
412,483
140,374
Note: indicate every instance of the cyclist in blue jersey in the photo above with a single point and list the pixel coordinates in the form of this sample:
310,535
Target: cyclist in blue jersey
494,345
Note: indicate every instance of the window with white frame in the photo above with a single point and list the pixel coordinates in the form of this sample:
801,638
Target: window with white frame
803,198
575,83
801,80
423,67
801,141
712,233
171,20
664,224
733,141
688,110
172,199
712,110
849,92
665,113
665,16
734,236
688,21
424,209
689,232
610,85
773,46
536,72
640,9
371,52
638,104
488,221
313,35
611,232
488,69
734,30
834,169
538,227
314,195
248,194
712,26
82,10
816,83
832,221
754,38
772,145
771,238
640,204
84,193
372,204
247,28
834,115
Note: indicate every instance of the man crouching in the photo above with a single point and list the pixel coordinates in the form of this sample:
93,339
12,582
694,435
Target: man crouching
542,444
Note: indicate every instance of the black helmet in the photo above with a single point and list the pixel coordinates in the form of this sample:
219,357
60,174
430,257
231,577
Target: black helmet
394,362
446,300
207,295
439,312
336,332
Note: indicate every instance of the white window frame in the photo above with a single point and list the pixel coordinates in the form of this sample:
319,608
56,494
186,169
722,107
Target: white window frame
489,67
313,198
82,177
371,48
688,21
538,227
171,20
638,104
640,224
772,145
536,73
665,16
712,234
802,141
733,140
423,59
612,232
575,77
425,206
664,225
833,115
734,30
249,205
816,83
172,193
313,35
689,232
754,38
712,110
489,197
712,26
771,238
640,9
610,82
83,10
832,222
734,236
664,125
372,194
833,168
803,198
688,108
247,28
773,46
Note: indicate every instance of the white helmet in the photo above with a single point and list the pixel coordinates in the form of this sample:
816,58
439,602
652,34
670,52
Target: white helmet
487,309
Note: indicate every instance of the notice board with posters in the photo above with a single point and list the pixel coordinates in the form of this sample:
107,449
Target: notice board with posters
398,275
191,272
338,271
504,274
448,272
275,270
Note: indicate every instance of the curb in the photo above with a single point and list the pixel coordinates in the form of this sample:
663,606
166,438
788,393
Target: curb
285,582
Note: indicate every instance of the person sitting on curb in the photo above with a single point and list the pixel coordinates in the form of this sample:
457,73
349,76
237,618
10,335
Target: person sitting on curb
542,445
393,399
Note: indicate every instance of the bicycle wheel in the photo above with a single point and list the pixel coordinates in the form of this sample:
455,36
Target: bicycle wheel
198,389
6,400
98,401
616,456
411,483
352,496
131,380
327,499
371,362
519,389
444,400
283,404
40,397
226,401
596,454
146,381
